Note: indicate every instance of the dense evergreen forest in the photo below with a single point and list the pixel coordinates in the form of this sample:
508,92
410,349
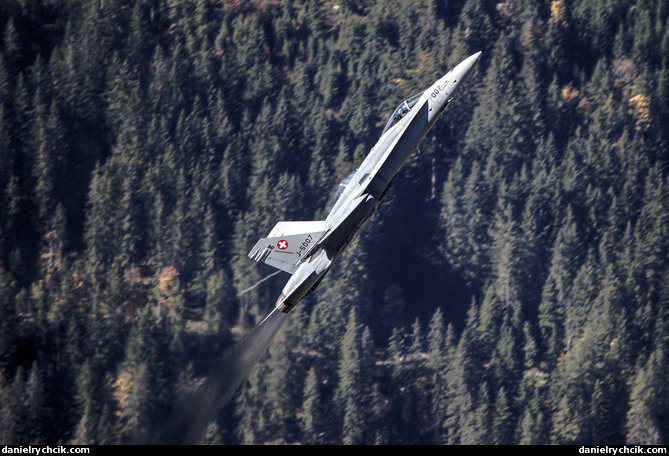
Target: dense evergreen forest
513,289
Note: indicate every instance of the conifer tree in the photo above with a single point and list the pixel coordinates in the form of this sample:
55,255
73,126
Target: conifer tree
315,416
8,320
350,396
85,432
566,253
647,416
35,408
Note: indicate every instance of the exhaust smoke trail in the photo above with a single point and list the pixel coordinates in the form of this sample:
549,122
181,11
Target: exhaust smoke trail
194,411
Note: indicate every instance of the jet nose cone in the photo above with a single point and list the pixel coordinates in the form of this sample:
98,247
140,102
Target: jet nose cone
469,62
464,68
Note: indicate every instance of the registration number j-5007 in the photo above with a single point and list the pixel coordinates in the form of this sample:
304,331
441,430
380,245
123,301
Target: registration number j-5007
304,246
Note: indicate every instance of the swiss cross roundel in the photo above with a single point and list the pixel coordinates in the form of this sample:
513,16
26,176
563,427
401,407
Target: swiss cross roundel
282,244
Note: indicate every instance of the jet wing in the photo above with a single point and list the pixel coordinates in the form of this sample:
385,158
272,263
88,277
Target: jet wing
287,244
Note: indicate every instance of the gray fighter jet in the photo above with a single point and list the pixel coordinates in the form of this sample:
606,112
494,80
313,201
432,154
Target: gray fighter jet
307,249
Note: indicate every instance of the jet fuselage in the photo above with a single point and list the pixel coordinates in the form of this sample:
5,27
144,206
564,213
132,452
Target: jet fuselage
319,244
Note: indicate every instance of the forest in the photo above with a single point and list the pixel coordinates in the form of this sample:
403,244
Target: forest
512,289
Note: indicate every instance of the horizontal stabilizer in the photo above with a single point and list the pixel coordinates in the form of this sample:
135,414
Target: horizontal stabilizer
287,244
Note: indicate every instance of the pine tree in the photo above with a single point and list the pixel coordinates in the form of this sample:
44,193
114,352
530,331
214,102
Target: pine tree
8,320
12,418
566,254
49,171
11,49
558,40
35,408
440,353
315,416
647,417
84,433
351,395
465,202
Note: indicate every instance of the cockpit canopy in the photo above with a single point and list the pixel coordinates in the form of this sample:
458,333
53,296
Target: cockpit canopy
402,110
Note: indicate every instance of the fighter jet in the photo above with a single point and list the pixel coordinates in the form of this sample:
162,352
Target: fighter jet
307,249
